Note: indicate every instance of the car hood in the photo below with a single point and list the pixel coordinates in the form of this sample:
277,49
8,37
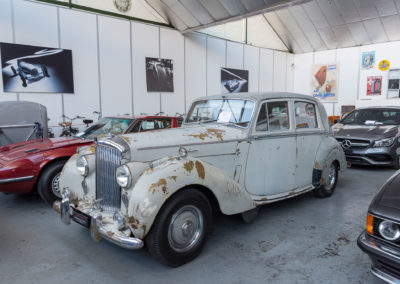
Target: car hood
386,202
365,131
162,143
22,149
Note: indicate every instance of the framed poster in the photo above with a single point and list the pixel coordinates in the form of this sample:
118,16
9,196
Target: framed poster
234,80
159,75
394,84
374,85
28,68
368,60
324,82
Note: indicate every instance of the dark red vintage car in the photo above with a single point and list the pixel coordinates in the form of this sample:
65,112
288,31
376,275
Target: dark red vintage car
37,164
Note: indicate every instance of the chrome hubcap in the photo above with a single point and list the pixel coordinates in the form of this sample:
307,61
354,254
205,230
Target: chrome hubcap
331,177
186,228
55,185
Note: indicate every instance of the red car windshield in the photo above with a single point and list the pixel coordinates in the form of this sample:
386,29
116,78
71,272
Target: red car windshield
107,125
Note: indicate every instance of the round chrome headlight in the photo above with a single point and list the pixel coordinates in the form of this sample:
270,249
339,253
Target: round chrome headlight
82,166
389,230
123,175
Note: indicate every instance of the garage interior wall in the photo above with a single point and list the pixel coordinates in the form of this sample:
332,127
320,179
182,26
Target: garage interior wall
109,61
352,80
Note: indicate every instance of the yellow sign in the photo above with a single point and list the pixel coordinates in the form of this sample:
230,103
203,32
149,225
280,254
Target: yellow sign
384,65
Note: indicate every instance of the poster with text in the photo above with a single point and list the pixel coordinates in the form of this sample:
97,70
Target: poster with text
159,75
324,82
374,85
234,80
27,68
368,60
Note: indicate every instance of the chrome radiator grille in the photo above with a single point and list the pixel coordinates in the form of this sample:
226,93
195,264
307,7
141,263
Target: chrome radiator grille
108,159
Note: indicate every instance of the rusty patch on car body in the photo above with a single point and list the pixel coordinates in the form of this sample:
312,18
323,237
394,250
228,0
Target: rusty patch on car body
188,166
208,133
200,170
161,182
317,166
132,221
173,177
110,234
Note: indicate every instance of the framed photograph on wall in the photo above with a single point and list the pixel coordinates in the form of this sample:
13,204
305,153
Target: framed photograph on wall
234,80
394,84
28,68
159,75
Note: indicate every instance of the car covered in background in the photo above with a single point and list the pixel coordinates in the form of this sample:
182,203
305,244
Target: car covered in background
233,153
370,136
37,164
381,239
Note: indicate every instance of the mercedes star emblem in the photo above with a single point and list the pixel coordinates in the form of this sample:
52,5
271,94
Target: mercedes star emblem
346,144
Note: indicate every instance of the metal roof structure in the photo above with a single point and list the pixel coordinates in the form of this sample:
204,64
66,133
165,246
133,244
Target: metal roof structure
296,26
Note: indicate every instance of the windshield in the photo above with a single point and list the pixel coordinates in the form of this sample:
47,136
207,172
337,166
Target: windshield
373,117
107,125
233,111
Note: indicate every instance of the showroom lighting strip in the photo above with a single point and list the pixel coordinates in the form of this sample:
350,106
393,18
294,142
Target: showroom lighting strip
102,12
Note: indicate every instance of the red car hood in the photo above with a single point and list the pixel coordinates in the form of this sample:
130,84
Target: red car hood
19,150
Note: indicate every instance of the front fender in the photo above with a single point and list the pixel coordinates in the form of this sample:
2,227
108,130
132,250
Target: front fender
329,150
156,185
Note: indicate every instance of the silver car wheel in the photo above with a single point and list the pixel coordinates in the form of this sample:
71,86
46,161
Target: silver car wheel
331,177
186,228
55,185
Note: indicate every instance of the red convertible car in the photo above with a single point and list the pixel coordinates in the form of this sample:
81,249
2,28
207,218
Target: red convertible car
37,164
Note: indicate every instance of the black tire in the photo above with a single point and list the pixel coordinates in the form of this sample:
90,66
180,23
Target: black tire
328,187
46,179
160,240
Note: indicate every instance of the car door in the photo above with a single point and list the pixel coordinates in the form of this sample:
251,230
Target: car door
271,158
309,133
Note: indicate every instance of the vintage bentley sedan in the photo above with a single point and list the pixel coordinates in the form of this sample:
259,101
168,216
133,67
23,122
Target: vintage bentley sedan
381,239
233,153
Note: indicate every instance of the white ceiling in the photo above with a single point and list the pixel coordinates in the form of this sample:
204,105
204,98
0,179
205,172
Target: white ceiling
298,26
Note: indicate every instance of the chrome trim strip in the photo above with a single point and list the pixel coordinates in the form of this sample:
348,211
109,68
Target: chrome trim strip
10,180
384,276
250,138
374,246
362,157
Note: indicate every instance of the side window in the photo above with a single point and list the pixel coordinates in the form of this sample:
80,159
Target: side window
147,125
305,115
273,116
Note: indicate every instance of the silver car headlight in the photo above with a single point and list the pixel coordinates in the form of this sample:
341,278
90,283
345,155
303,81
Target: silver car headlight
124,177
82,166
389,230
384,142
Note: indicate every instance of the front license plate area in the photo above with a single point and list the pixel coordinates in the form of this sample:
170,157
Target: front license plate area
80,218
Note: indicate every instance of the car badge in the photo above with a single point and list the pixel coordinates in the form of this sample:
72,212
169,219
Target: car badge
346,144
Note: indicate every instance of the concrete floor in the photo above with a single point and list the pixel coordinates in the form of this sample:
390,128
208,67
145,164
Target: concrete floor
302,240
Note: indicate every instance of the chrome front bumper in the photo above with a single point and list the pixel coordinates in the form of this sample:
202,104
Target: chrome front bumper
98,230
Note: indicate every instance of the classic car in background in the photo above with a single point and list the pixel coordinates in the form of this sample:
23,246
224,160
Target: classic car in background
236,153
22,121
370,136
38,163
381,239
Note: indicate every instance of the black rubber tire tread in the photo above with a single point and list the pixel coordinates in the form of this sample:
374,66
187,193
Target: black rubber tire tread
322,192
45,179
157,239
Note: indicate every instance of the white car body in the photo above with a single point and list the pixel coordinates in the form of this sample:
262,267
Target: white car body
239,167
